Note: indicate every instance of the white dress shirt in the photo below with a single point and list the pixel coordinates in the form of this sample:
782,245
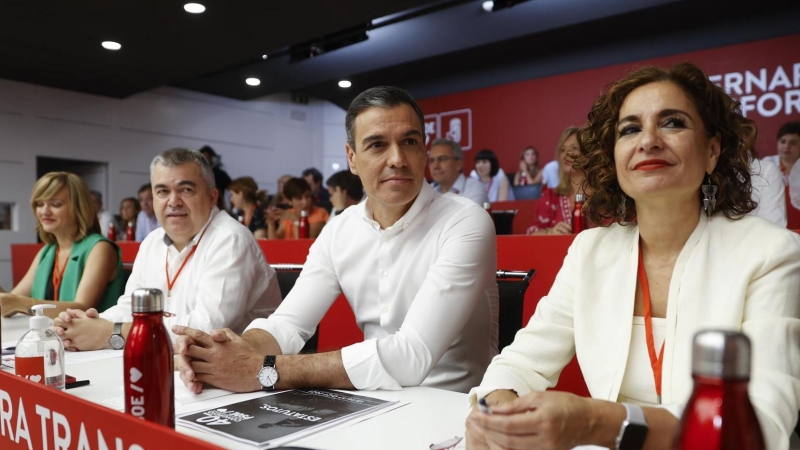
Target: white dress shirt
768,191
226,283
550,174
423,291
145,224
739,275
467,187
104,218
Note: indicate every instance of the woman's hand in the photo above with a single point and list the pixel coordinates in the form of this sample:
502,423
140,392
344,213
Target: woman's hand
560,228
548,420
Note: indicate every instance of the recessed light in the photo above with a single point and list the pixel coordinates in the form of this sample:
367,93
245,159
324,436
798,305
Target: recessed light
194,8
487,5
253,81
111,45
335,166
264,56
345,84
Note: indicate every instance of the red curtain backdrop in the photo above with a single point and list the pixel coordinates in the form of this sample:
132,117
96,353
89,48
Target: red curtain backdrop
765,75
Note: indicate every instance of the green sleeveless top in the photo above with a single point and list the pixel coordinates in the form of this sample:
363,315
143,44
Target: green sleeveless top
74,272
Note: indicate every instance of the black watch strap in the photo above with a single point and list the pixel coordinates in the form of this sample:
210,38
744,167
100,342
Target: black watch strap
269,361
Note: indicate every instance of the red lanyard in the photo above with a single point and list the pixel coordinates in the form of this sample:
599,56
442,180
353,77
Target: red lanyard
58,275
171,282
655,362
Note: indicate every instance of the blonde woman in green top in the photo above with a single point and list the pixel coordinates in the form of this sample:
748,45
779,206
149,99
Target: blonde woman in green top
77,268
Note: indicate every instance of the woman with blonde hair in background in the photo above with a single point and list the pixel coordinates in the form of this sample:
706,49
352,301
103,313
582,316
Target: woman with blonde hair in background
77,268
528,165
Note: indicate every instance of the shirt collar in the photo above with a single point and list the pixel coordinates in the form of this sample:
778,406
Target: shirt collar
456,188
424,198
193,242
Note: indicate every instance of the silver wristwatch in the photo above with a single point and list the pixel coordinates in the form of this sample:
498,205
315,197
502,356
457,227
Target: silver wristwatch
117,342
268,375
633,431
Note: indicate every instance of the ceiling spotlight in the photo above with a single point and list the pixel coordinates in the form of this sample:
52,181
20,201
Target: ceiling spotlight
253,81
345,84
194,8
487,5
111,45
335,166
264,57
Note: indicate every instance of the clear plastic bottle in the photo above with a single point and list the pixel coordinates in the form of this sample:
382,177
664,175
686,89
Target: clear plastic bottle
39,356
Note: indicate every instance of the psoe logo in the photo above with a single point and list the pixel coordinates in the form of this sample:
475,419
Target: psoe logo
453,125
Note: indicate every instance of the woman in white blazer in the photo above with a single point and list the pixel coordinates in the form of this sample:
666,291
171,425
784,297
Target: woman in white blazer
649,145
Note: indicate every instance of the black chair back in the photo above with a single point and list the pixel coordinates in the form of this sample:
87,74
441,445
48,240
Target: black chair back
287,275
511,286
504,221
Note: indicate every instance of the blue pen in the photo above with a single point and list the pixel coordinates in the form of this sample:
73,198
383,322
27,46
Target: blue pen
483,406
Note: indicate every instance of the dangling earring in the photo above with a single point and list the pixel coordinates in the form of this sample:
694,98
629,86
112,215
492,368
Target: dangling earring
621,208
709,195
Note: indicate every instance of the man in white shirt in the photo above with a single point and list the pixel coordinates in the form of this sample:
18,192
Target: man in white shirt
417,267
446,163
210,269
147,220
103,217
550,174
769,191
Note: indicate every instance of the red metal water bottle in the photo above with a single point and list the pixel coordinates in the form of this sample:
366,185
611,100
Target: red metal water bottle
523,179
304,228
112,232
129,233
578,222
149,383
719,414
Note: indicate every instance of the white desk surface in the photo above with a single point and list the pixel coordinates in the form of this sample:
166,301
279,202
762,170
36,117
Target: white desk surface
432,415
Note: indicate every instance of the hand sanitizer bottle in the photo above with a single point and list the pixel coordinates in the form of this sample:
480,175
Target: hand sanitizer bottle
39,356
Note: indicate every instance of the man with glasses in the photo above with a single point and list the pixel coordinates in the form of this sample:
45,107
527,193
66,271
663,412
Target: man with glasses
446,162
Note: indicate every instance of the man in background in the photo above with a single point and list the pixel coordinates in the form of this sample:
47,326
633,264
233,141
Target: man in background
146,220
221,178
321,197
345,190
103,217
446,163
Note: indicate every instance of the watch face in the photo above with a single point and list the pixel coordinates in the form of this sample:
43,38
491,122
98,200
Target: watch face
633,436
268,376
117,342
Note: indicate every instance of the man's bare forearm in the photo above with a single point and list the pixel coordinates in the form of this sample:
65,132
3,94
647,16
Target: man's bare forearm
319,370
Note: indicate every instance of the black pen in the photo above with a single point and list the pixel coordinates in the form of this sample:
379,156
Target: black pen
75,384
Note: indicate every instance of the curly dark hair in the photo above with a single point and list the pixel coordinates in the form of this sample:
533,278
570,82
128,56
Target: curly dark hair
721,117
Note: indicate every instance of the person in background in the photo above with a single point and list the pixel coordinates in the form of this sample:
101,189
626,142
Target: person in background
298,192
665,155
248,201
529,165
417,267
221,178
129,209
551,174
446,164
555,206
104,218
345,190
769,191
279,198
488,171
209,268
788,149
78,267
318,192
146,220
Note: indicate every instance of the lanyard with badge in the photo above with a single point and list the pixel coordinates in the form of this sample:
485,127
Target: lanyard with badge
171,282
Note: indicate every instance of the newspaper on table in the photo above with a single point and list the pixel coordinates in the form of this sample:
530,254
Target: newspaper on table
284,417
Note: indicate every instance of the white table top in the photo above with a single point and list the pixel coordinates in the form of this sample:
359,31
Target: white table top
432,415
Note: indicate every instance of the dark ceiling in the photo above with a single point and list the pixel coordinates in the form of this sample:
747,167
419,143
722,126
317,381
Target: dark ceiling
57,43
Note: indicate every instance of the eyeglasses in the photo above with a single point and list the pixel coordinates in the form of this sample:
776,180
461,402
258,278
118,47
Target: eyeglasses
440,159
449,444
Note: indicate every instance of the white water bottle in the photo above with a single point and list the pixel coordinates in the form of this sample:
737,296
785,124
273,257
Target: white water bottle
39,356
